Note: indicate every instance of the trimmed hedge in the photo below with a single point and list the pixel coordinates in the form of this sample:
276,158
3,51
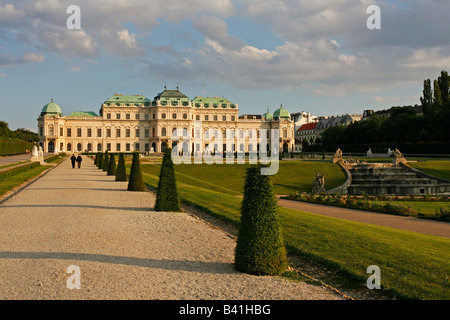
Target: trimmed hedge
136,182
259,247
167,196
121,172
112,165
105,162
10,147
100,161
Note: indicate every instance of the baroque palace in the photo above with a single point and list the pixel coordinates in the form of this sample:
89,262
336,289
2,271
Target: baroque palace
128,123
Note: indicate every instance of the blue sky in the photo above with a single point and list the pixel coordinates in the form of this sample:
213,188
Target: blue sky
314,56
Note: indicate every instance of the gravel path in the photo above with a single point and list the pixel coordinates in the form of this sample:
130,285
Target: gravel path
432,227
123,248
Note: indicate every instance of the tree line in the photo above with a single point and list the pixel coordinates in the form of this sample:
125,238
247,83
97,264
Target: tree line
403,125
19,134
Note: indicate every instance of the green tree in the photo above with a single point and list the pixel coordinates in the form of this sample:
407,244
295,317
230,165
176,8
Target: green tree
167,196
444,84
259,248
121,173
427,98
105,163
437,97
136,182
112,165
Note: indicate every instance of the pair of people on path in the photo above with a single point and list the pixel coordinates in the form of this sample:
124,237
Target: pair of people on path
76,159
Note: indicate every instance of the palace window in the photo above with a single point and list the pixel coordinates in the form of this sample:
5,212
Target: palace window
108,133
137,146
197,117
224,118
127,147
61,131
108,116
153,132
127,116
118,147
146,116
215,117
146,133
137,116
233,118
206,117
137,133
89,147
51,131
118,116
118,133
108,147
89,132
69,147
174,116
99,133
69,132
184,115
99,147
127,132
163,132
78,132
163,116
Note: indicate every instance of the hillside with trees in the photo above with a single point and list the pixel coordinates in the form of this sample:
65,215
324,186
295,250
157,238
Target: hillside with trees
403,128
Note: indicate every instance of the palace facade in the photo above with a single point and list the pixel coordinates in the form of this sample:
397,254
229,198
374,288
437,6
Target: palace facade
128,123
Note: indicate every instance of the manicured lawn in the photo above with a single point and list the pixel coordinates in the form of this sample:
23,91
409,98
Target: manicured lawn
412,265
229,178
440,169
17,179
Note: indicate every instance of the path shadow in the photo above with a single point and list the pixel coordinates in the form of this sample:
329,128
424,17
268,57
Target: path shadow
174,265
79,206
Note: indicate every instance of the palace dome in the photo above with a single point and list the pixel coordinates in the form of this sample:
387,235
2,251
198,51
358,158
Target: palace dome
281,113
268,115
51,109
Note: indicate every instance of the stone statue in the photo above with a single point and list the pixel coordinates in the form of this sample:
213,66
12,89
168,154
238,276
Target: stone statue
338,156
319,184
34,154
398,157
369,152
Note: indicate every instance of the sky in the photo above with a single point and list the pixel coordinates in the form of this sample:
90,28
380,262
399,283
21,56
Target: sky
314,56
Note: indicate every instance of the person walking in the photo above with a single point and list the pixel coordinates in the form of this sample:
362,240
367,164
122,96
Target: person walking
73,159
79,159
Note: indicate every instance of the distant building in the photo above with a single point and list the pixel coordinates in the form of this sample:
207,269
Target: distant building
305,132
342,120
128,123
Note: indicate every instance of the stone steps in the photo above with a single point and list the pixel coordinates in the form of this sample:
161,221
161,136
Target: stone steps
381,179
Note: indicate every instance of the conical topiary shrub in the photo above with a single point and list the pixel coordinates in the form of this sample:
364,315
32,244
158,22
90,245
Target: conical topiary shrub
121,173
136,182
100,161
105,162
96,159
112,165
259,247
167,196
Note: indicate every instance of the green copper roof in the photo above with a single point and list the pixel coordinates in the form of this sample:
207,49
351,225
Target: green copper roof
52,109
214,102
119,99
281,113
83,114
168,95
268,115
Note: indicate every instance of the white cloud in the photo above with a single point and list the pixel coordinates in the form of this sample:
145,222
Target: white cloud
128,39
